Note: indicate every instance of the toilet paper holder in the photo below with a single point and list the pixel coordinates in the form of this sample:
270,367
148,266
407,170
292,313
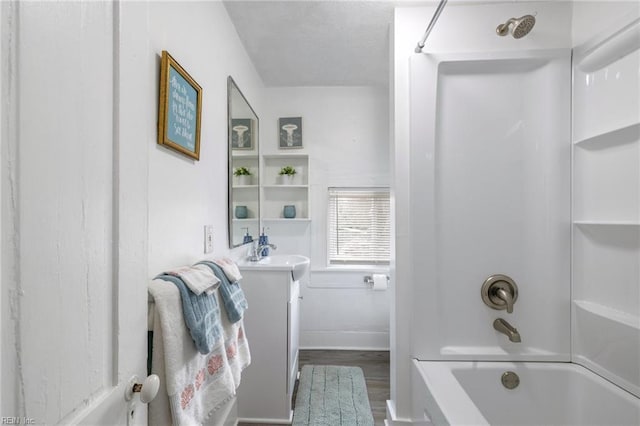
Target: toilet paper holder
368,280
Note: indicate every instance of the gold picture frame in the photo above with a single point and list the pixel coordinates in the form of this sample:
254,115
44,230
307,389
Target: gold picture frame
180,108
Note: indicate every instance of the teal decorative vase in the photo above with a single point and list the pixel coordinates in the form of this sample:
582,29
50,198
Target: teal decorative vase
241,212
289,212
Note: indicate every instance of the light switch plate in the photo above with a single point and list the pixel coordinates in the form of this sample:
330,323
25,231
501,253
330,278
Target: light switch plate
208,238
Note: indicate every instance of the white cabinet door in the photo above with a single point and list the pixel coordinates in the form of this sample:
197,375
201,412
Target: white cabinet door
265,393
74,238
293,331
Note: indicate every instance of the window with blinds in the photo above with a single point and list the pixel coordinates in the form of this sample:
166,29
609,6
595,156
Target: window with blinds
359,226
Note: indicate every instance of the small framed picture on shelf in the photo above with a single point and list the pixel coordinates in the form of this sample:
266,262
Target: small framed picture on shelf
242,133
290,132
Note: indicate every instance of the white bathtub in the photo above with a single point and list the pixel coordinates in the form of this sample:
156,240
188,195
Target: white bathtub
471,393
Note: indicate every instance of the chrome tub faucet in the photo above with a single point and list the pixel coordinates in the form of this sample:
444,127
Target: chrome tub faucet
507,329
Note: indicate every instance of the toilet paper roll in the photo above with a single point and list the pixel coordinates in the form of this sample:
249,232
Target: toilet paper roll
380,282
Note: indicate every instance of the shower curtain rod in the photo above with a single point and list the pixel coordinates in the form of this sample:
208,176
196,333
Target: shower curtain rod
436,15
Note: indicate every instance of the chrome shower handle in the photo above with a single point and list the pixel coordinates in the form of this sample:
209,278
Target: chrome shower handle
508,299
499,292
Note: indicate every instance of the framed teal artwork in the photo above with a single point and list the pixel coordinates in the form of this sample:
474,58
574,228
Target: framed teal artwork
180,108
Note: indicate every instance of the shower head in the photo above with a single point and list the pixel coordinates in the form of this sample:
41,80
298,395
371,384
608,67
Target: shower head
520,27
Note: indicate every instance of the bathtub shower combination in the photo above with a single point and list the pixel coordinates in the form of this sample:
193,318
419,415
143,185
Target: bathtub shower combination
473,393
528,308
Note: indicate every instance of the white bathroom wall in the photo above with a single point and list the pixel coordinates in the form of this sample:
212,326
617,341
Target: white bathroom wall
184,194
345,134
461,28
606,191
95,207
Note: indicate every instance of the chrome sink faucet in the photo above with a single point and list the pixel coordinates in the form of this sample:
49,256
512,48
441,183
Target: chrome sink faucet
256,250
505,328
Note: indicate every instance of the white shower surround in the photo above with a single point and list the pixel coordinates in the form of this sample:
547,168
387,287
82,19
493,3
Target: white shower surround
606,206
493,192
490,177
605,328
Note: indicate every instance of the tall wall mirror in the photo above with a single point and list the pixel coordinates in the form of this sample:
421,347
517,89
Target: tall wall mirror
244,168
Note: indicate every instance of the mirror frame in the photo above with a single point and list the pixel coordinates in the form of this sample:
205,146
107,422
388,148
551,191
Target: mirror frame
231,85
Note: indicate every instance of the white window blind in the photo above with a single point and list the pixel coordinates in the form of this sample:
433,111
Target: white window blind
359,226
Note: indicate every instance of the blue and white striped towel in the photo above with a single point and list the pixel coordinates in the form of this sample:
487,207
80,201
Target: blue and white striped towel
201,315
232,295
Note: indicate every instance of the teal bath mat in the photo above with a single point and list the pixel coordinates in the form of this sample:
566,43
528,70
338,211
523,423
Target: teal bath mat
330,395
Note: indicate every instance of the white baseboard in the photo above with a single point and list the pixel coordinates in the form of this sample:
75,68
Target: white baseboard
266,421
339,348
345,340
393,420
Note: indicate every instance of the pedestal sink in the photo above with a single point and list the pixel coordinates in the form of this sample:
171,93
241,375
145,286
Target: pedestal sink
297,264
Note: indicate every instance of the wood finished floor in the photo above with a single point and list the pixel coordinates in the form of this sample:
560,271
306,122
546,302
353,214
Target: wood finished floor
374,364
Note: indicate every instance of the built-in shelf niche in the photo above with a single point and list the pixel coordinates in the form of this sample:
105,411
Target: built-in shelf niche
277,193
250,161
606,208
606,341
607,176
606,83
610,223
617,136
607,260
274,162
246,197
295,219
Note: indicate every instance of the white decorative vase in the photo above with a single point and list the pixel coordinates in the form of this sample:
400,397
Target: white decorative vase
243,180
287,179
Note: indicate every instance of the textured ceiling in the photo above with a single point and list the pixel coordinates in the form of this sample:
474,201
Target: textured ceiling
322,42
316,43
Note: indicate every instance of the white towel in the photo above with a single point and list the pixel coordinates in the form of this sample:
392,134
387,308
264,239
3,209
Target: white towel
229,268
193,385
198,278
